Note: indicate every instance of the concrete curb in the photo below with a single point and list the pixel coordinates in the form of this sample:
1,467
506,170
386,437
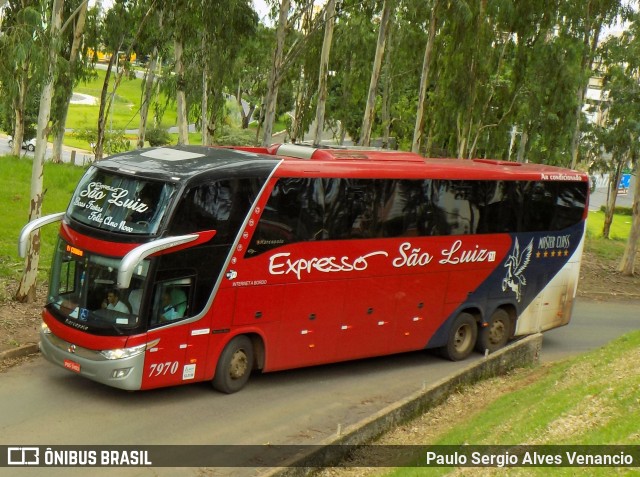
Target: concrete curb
332,450
20,351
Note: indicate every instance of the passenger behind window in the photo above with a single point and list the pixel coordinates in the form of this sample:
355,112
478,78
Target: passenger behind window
135,298
174,305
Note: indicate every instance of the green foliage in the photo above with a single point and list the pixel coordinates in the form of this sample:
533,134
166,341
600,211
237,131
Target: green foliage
236,137
157,137
619,210
114,141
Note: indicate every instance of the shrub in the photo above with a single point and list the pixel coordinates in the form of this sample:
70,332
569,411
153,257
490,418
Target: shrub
157,137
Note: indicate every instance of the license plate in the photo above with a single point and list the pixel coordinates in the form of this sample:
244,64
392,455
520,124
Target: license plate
72,365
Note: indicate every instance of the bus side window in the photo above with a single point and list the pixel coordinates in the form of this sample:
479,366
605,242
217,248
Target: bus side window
538,205
293,213
171,301
569,206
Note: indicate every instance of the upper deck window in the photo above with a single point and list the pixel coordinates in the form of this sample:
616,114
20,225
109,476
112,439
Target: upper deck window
311,209
121,204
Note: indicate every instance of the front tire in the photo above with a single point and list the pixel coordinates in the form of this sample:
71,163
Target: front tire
462,338
497,332
234,366
31,148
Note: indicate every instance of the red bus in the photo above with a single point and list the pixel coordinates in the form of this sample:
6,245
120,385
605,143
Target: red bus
185,264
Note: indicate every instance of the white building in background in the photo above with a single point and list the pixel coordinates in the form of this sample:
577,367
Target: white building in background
594,97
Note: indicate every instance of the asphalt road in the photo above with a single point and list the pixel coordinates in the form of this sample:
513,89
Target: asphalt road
81,156
44,405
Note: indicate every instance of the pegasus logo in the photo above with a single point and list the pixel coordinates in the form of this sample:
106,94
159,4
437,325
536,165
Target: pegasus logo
516,264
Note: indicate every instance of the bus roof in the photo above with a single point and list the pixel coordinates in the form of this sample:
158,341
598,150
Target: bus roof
183,162
373,163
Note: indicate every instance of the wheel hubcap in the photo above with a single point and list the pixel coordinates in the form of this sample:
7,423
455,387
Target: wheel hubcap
496,332
239,365
463,338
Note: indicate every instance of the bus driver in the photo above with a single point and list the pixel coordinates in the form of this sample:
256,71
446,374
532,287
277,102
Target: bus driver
173,305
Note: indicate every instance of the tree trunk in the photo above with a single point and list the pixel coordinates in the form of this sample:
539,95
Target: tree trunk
296,133
324,71
424,82
612,197
385,113
628,262
273,83
205,102
18,111
522,147
369,112
27,288
181,96
78,33
102,110
147,95
590,42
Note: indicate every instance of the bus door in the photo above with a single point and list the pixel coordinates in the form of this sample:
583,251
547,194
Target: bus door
165,363
367,324
418,310
310,322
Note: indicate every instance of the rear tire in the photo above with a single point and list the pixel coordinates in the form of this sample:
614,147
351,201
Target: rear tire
497,332
462,338
31,148
234,366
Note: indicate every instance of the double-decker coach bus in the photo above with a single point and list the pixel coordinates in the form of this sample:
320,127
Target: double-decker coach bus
185,264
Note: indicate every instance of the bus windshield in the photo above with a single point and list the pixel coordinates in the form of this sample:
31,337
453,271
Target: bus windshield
83,292
120,204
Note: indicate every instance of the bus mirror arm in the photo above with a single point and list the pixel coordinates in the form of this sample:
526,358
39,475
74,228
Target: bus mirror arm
25,234
135,256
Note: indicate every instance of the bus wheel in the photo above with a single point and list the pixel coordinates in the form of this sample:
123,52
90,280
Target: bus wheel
496,334
462,338
234,365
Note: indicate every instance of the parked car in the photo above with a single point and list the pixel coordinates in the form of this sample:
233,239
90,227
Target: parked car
28,144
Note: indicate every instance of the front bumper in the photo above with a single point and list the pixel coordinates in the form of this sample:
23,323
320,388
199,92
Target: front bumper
91,364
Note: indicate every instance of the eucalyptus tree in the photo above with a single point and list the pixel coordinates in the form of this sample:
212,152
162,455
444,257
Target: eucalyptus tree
152,45
369,112
618,134
183,19
21,60
276,71
75,66
323,74
221,48
424,79
587,19
289,45
353,47
27,288
121,28
304,72
251,72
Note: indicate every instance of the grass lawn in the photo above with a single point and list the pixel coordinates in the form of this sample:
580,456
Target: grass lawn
15,178
125,113
614,246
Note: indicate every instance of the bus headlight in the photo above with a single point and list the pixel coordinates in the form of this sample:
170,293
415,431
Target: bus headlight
121,353
45,328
